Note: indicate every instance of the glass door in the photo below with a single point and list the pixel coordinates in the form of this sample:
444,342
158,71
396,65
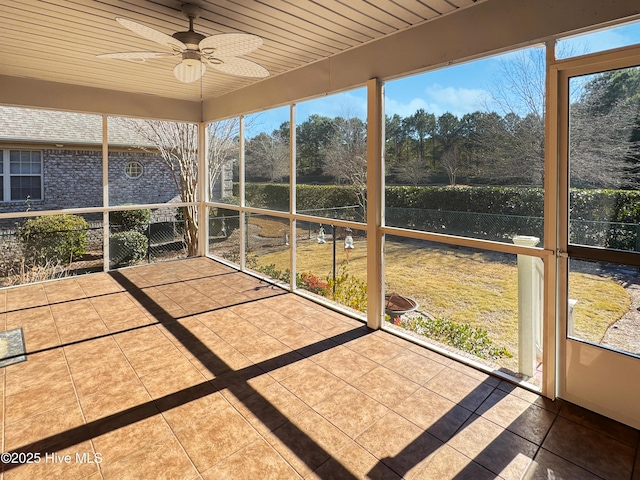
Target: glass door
599,138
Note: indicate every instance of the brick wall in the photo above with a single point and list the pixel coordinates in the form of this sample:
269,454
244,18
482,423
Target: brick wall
73,179
156,185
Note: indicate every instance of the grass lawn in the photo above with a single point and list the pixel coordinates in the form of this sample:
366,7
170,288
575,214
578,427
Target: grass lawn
462,285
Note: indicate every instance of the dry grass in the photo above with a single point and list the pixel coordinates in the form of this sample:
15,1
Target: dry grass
459,285
601,302
270,227
21,274
465,286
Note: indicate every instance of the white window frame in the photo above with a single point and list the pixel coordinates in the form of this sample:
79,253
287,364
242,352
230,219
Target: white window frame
6,174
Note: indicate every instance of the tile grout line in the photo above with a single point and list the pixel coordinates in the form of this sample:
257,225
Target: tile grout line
159,412
592,430
4,415
604,433
348,384
73,384
228,403
164,420
269,431
539,447
459,429
4,388
494,389
515,433
110,335
262,437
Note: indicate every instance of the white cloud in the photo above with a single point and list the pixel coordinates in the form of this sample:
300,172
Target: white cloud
456,100
393,107
439,100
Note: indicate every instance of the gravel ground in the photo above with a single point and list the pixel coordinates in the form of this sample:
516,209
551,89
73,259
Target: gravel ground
625,333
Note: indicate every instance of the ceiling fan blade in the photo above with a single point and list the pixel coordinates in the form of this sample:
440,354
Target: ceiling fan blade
151,34
240,67
230,44
189,73
136,57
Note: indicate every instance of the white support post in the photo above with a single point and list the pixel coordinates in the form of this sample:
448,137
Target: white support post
292,197
105,194
241,218
203,190
552,207
530,307
375,200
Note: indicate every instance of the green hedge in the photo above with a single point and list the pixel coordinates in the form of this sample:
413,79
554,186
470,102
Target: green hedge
607,218
620,207
491,213
615,205
55,238
308,197
496,200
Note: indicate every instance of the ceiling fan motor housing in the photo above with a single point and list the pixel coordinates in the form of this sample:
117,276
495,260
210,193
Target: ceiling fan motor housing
190,38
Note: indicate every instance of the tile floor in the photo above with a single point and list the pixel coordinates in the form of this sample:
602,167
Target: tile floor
188,369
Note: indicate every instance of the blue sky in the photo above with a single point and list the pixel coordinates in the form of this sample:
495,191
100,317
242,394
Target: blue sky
457,89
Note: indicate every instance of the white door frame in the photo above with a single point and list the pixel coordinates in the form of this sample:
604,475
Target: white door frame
594,377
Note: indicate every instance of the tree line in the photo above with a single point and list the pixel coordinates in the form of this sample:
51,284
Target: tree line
478,148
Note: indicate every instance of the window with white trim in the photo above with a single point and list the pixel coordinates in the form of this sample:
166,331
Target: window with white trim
21,175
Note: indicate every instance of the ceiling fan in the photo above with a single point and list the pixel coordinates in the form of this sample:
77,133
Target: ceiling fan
220,52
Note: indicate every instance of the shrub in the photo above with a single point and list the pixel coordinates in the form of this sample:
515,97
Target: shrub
54,238
270,271
347,290
599,217
312,283
126,220
231,217
459,335
127,247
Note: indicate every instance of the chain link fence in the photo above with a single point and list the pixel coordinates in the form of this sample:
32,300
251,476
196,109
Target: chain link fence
485,226
165,236
502,228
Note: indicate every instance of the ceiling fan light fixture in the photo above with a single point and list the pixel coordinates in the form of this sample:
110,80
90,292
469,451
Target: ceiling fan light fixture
191,58
222,52
189,73
190,62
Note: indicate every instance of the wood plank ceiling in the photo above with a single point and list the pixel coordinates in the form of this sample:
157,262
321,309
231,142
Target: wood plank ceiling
58,40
